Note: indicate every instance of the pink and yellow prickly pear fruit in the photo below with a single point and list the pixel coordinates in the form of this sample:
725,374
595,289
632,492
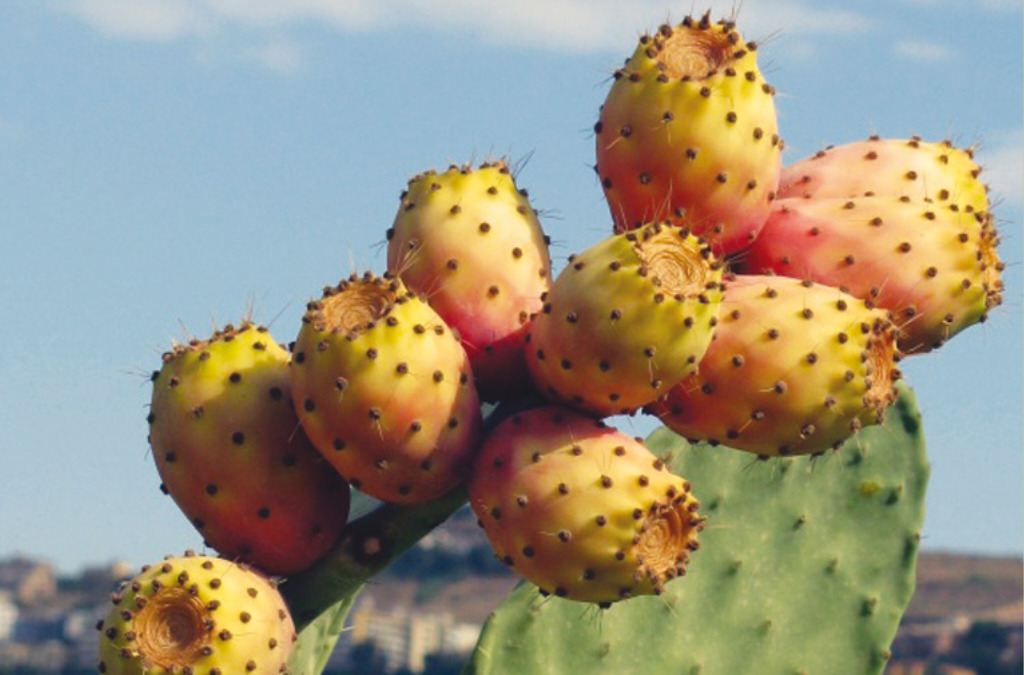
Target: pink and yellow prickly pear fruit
196,614
230,452
580,509
385,390
689,130
471,243
794,368
908,168
626,320
933,265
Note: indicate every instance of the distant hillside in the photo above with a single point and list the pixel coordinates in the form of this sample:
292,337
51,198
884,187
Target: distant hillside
979,587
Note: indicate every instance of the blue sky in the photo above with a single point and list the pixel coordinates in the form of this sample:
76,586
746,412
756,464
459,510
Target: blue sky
167,166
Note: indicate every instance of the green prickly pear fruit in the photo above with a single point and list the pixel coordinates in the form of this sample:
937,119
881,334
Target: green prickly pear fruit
229,450
196,614
937,173
385,390
689,130
580,509
471,243
934,266
626,320
794,368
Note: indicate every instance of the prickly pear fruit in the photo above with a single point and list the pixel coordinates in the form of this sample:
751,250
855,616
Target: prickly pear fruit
922,171
794,368
626,320
230,452
471,243
196,614
580,509
689,129
385,390
934,266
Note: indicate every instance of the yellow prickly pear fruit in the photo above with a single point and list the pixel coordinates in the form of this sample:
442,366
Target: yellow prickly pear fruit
230,452
384,389
582,510
196,614
689,130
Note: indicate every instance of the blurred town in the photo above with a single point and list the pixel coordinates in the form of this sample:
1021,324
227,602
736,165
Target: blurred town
423,616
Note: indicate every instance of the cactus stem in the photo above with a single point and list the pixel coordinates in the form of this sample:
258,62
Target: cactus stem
367,546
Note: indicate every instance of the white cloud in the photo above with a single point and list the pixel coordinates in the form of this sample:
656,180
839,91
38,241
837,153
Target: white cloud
140,19
1002,160
565,25
923,50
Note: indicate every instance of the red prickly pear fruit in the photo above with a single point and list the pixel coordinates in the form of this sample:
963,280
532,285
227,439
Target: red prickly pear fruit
689,131
229,450
196,614
794,368
889,167
934,266
582,510
471,243
385,390
626,320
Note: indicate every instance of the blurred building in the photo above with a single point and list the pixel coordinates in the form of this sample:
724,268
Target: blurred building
406,637
8,615
30,581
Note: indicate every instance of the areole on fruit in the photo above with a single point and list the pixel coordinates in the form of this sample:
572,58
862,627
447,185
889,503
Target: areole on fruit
881,356
666,534
990,263
693,53
678,265
172,628
355,306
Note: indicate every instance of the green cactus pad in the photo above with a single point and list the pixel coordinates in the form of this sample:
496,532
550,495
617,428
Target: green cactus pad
806,566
